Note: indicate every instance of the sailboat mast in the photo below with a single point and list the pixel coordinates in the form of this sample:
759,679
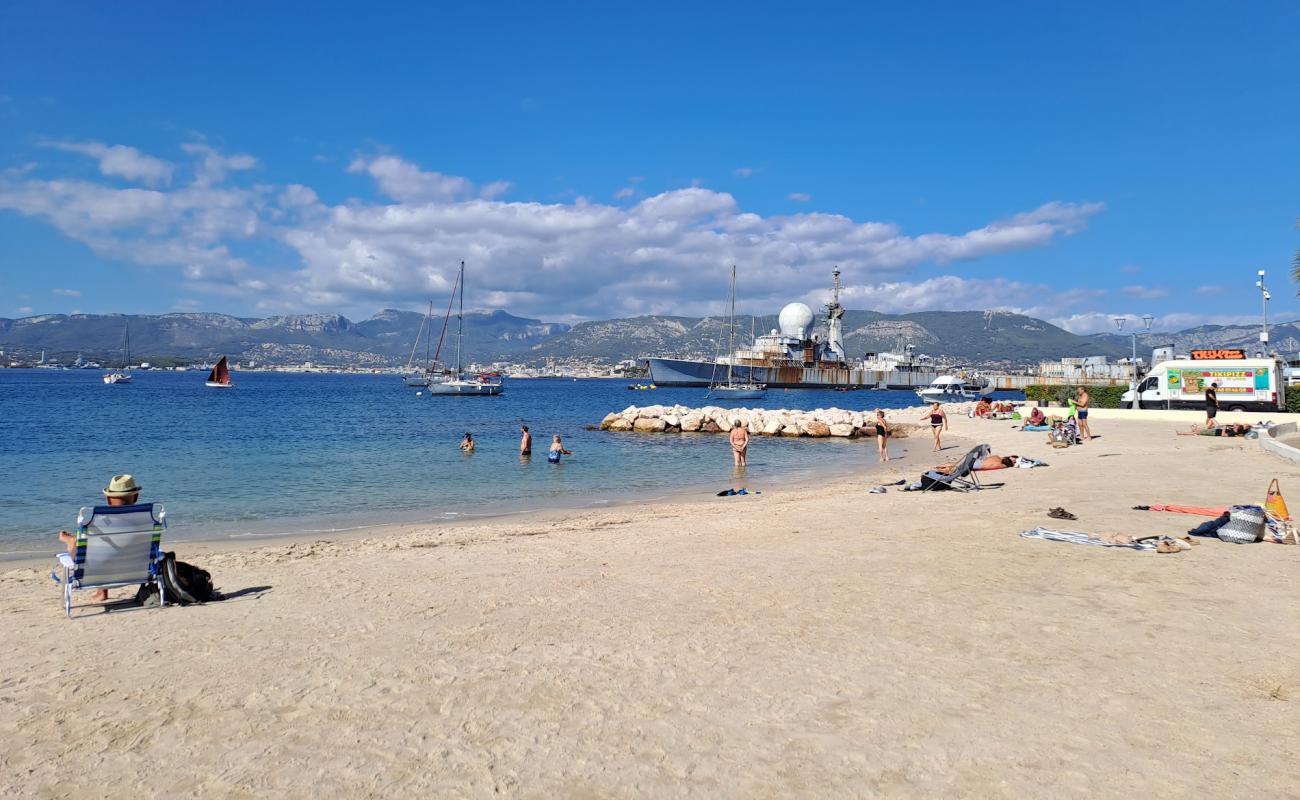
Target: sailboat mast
428,340
460,318
731,343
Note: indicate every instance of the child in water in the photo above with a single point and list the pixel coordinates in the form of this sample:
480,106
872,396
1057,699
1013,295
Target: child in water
557,450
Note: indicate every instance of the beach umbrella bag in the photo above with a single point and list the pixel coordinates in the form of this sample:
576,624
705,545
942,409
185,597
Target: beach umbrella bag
1274,503
1246,525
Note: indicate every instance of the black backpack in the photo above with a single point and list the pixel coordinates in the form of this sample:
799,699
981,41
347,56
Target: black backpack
185,584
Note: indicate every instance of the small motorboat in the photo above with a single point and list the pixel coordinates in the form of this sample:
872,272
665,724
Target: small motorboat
954,388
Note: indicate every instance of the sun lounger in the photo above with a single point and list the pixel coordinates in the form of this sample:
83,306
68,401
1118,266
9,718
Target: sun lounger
962,477
116,546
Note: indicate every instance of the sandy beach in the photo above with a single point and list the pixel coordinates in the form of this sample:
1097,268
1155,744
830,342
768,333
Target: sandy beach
819,641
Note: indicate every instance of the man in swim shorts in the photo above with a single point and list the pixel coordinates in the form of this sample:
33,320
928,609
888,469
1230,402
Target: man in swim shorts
1081,403
1211,405
739,438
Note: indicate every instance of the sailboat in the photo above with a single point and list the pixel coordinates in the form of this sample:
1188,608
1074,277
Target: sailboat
458,383
219,377
731,390
122,376
411,377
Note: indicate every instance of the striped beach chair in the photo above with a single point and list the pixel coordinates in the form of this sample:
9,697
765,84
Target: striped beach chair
116,546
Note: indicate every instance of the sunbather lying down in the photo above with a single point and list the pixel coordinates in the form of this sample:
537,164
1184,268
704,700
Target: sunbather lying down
991,462
1231,429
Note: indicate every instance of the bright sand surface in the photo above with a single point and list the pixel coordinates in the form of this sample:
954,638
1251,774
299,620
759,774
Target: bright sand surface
805,642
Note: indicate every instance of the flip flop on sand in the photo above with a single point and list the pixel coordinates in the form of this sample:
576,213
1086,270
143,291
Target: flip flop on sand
1060,513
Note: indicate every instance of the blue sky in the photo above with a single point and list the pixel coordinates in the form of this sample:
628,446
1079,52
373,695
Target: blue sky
1073,162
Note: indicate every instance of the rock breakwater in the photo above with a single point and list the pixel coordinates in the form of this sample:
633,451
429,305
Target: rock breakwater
818,423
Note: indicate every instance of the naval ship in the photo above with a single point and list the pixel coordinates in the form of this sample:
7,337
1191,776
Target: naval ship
793,356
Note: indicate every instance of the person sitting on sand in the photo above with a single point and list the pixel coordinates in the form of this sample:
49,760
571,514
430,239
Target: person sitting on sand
1230,429
739,438
1036,417
990,462
557,450
122,490
467,444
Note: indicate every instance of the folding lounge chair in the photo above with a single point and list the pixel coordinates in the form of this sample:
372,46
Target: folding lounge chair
116,546
962,478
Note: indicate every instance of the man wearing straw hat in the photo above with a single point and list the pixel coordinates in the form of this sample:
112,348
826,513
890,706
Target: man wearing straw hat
122,490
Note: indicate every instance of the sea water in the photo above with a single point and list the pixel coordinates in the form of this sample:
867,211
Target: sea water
286,452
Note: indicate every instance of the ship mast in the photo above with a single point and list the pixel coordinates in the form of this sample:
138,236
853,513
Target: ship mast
834,333
731,345
460,317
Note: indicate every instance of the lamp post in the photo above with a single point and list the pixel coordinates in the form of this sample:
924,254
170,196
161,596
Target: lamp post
1265,297
1147,319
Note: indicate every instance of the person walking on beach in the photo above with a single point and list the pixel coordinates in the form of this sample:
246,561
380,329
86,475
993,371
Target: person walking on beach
739,438
557,450
938,423
1211,405
1081,403
467,444
122,490
525,442
882,435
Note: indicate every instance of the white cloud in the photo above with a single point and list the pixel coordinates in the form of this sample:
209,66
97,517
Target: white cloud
213,166
1130,269
67,292
1104,322
24,309
665,253
624,193
800,197
1146,292
120,161
1211,289
745,172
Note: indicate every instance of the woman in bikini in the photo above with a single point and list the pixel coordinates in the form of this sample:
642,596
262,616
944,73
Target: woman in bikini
938,422
882,435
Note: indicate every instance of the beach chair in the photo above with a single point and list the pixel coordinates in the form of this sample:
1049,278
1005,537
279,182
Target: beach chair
962,478
116,546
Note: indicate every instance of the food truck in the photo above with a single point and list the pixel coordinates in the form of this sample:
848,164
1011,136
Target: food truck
1244,384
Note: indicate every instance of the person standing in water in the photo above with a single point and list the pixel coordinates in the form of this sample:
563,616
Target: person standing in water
739,438
1081,403
938,423
557,450
467,444
525,442
882,435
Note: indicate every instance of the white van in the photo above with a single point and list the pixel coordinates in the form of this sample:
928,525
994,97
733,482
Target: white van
1245,384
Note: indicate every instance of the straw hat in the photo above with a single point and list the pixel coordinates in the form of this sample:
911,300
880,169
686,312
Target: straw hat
122,486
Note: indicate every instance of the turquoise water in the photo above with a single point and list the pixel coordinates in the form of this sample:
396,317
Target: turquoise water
288,452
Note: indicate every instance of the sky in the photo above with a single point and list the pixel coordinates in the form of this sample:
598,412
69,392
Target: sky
1075,162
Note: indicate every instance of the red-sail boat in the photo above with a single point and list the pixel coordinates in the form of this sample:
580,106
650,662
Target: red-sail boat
219,377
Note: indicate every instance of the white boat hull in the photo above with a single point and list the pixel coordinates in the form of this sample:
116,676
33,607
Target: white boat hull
117,378
738,392
215,385
465,388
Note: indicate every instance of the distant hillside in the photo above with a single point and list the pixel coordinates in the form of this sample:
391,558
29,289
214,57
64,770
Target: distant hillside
1284,337
971,337
966,336
385,338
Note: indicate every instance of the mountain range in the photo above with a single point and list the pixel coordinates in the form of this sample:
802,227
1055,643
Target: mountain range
389,338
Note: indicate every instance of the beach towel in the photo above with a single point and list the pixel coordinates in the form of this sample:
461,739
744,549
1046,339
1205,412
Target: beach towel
1079,537
1036,428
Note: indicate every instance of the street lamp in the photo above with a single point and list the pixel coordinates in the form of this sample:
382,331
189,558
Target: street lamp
1147,319
1263,333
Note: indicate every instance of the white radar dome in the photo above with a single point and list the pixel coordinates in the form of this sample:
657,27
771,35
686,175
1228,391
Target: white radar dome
796,320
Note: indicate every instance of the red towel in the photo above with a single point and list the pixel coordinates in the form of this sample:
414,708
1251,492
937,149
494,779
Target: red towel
1202,511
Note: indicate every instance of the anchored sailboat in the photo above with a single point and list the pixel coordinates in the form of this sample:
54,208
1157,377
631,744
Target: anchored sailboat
731,390
219,377
421,378
459,383
122,376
